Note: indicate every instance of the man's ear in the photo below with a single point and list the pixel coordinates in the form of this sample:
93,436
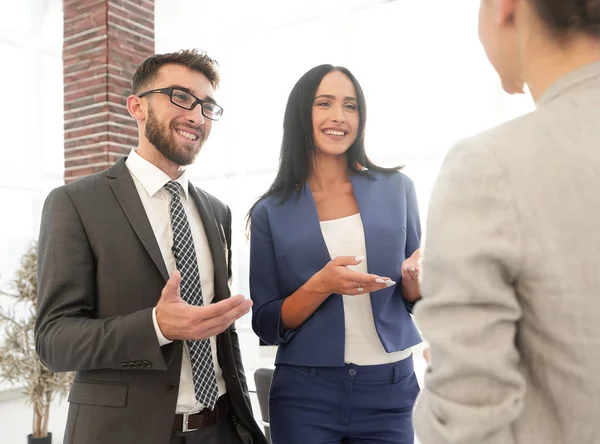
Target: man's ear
135,108
506,12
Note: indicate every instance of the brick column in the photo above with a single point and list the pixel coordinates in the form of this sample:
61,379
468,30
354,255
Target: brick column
104,41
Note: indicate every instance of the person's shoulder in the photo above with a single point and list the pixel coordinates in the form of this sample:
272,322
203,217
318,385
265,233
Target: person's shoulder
503,139
495,149
277,205
215,202
83,193
384,175
267,204
395,178
83,185
219,208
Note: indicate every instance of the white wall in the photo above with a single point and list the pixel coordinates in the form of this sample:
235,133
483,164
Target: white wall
31,153
31,117
30,121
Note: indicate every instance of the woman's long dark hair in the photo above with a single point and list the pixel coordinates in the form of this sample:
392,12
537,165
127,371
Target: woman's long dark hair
298,145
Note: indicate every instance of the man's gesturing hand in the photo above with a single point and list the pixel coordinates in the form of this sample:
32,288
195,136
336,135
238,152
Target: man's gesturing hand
179,320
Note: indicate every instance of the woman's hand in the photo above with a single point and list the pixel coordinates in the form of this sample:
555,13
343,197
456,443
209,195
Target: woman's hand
427,355
411,266
410,277
336,277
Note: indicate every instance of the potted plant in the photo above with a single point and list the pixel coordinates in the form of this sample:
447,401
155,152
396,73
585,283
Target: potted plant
19,364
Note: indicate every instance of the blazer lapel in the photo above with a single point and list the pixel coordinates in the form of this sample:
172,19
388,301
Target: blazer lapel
302,215
216,242
122,185
377,224
371,204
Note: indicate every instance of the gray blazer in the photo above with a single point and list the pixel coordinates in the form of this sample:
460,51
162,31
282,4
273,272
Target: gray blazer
100,272
511,279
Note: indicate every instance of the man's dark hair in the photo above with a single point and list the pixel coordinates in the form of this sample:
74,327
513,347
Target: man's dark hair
193,59
564,17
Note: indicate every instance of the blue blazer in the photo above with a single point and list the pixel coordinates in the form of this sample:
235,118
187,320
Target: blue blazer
287,248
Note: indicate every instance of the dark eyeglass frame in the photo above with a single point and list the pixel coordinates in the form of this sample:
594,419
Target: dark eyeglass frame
169,92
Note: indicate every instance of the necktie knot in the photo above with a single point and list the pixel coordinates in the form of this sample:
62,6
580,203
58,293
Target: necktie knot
173,188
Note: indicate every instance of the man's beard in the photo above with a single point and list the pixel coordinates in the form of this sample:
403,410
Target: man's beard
164,141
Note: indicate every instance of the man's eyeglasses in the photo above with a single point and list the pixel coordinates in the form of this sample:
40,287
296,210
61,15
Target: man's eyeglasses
185,100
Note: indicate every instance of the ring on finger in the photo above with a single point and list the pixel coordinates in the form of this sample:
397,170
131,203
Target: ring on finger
360,289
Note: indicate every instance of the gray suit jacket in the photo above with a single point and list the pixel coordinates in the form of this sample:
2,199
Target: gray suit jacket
511,279
100,272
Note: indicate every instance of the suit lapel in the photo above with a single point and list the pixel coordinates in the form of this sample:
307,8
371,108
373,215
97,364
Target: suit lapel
225,346
216,242
302,215
370,203
378,224
121,182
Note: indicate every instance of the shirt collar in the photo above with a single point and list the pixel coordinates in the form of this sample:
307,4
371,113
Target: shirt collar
570,80
152,178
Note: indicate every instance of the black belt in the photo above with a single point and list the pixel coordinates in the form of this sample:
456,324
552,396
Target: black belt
185,422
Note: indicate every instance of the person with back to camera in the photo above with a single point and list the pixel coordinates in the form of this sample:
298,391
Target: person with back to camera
510,278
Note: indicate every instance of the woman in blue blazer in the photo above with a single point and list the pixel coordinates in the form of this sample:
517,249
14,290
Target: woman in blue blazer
327,245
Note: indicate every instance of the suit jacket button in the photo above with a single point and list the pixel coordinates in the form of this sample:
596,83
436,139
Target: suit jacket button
131,365
146,364
172,387
138,364
124,365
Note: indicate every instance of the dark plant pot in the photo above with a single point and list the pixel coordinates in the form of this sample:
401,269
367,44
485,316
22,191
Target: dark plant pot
46,440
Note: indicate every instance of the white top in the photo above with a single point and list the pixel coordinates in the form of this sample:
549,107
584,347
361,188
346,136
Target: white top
149,181
346,237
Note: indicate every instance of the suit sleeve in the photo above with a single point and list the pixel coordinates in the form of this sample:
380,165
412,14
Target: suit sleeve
67,336
413,227
264,287
469,311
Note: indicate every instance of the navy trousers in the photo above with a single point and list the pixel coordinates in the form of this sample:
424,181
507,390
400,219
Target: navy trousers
343,405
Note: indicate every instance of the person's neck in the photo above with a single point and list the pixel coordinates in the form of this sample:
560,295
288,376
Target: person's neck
327,173
152,155
551,62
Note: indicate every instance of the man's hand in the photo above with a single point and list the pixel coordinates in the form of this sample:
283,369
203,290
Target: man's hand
179,320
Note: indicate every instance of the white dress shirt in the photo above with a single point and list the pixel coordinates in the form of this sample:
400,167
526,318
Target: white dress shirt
346,237
149,181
